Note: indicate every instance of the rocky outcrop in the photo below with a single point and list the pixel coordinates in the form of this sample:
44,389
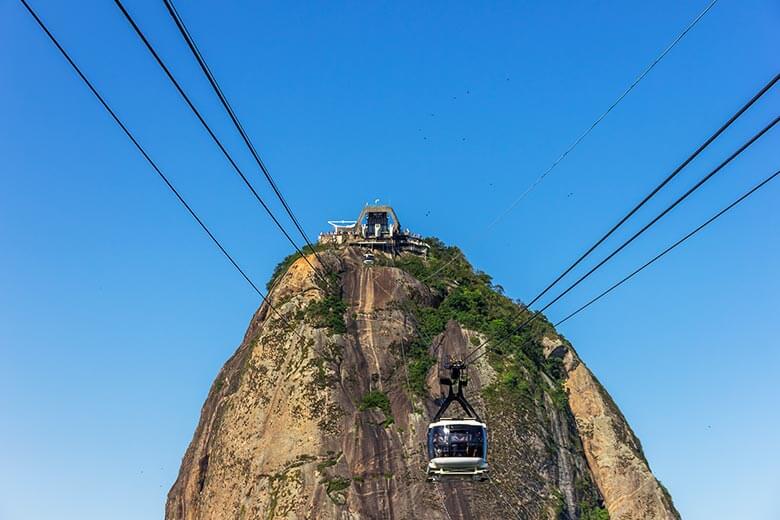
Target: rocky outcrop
286,432
613,452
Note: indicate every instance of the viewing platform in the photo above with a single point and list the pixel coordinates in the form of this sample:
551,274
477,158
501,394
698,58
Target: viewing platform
376,228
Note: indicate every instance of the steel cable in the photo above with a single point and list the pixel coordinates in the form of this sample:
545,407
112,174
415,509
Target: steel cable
598,120
151,162
234,118
213,136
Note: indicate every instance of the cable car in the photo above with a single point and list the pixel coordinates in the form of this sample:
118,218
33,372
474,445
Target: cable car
457,447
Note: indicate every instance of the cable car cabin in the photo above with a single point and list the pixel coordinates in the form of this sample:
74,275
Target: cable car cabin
457,448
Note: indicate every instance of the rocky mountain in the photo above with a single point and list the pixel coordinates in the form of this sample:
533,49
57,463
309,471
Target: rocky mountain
323,414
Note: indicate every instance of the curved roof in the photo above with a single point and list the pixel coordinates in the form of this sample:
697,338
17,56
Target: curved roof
461,422
379,209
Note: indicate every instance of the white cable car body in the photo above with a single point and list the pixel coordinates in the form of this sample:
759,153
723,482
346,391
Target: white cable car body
457,447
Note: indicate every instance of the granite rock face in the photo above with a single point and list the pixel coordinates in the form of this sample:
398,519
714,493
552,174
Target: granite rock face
285,433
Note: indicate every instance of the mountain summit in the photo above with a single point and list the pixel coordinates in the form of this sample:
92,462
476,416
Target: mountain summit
323,410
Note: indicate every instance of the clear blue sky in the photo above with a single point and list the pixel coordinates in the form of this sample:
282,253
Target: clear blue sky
116,312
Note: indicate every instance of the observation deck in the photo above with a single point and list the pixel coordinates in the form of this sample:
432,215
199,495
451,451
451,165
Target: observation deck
376,228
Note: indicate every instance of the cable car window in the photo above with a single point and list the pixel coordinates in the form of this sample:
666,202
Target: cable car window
456,441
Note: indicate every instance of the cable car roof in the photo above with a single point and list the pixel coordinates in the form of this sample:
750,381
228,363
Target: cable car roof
463,422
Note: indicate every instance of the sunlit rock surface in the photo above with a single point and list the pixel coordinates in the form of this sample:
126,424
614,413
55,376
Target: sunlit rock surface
282,433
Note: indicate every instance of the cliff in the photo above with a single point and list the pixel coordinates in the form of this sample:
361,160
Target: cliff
324,414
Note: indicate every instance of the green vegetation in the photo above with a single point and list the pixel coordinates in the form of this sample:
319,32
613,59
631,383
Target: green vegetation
278,485
285,264
470,298
326,464
588,512
419,364
328,313
558,504
376,399
591,506
559,397
335,488
338,484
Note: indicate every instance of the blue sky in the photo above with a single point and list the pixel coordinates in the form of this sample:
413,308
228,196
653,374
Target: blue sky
116,311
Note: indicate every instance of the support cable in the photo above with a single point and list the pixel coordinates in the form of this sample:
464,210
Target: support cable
647,226
152,163
663,183
659,216
659,255
714,136
604,114
234,118
671,247
213,136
